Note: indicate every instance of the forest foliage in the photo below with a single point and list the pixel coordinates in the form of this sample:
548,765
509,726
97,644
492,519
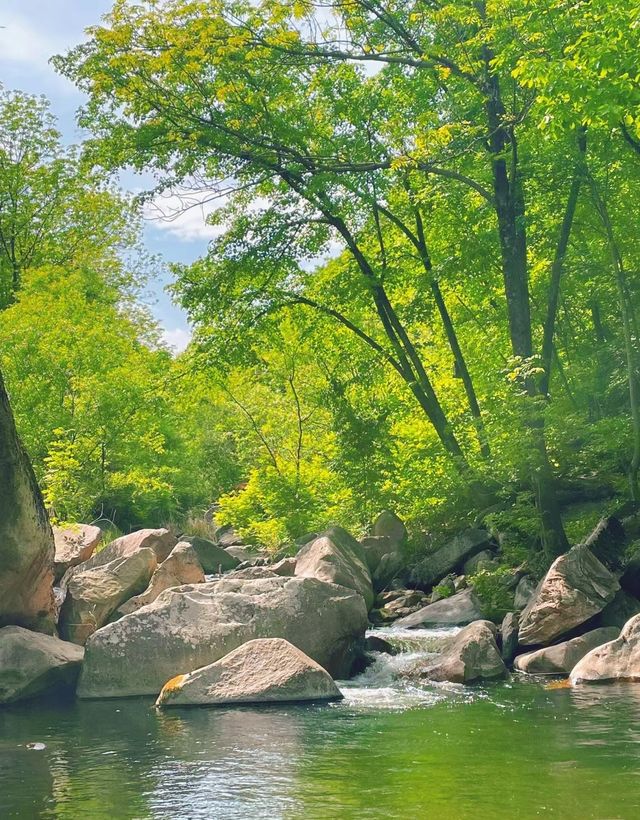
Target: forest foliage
423,295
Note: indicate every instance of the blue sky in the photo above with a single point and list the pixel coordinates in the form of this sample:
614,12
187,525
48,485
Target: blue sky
34,30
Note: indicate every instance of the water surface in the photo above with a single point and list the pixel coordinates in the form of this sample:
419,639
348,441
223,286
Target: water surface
391,749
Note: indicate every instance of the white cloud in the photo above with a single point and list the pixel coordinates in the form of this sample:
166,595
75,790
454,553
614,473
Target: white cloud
177,338
22,42
184,214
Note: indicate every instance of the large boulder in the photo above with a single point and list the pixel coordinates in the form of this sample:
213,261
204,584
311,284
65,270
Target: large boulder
189,627
457,610
74,545
32,664
337,558
509,635
576,587
617,660
94,594
618,611
388,525
435,566
161,541
630,579
525,591
562,657
481,560
265,670
26,539
473,656
285,567
181,567
214,559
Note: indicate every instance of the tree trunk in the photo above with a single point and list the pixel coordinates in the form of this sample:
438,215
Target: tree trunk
26,539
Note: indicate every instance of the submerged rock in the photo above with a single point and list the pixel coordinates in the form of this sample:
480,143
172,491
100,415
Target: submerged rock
74,545
576,587
193,626
32,664
562,657
435,566
265,670
473,656
337,558
458,610
94,594
617,660
181,567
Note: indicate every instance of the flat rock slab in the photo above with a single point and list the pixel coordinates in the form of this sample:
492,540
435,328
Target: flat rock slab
462,608
616,660
267,670
32,664
192,626
561,658
473,656
576,587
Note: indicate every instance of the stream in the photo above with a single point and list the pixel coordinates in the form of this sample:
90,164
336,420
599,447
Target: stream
391,749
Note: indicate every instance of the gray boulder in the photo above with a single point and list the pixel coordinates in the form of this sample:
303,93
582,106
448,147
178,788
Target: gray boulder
241,553
388,525
482,560
285,567
616,660
189,627
473,656
161,541
435,566
74,545
181,567
562,657
32,664
524,592
94,594
337,558
458,610
576,587
213,558
265,670
618,611
509,634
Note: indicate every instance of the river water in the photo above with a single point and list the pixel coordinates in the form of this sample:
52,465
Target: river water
390,749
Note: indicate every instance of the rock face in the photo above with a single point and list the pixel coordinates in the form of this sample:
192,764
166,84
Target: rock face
181,567
616,660
26,539
32,664
193,626
473,656
561,658
94,594
214,559
576,587
458,610
337,558
265,670
74,545
161,541
434,567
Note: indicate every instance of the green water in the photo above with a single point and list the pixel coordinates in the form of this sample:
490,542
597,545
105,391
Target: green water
510,750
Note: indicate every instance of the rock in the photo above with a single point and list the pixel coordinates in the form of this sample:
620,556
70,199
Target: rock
161,541
94,594
630,578
619,611
509,634
445,589
214,559
375,547
524,592
285,567
576,587
435,566
388,570
384,558
616,660
26,539
181,567
74,545
251,573
226,536
482,560
373,643
305,538
337,558
458,610
266,670
240,553
562,657
193,626
460,582
473,656
388,525
607,542
32,664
